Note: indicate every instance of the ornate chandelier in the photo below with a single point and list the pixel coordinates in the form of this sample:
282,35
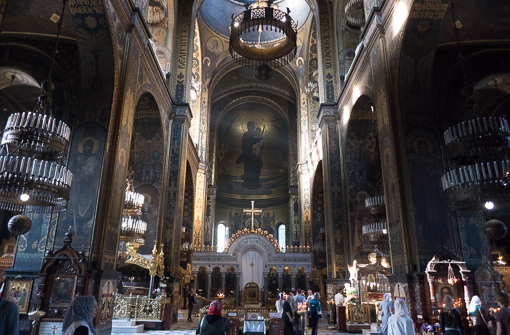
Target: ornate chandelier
262,16
479,148
33,178
132,228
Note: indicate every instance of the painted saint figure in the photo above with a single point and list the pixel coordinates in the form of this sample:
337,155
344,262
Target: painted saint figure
251,146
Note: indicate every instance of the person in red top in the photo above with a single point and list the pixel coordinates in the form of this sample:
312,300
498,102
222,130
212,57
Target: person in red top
503,316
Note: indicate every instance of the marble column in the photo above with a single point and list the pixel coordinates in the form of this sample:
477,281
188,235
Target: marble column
335,212
238,303
264,303
195,282
223,283
209,284
175,179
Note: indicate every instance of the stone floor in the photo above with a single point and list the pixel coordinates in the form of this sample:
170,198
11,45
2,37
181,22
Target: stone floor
184,327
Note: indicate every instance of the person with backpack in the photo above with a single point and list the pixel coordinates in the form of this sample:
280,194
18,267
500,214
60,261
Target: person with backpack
315,312
450,320
503,315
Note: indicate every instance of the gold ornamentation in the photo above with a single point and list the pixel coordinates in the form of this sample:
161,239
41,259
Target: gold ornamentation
155,265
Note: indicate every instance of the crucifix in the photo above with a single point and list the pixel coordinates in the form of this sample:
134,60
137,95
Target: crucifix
252,211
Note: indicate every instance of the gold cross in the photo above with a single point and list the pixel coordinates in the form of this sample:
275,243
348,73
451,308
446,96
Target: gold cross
54,329
252,264
252,211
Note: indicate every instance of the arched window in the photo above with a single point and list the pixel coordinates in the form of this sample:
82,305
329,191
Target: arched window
281,237
222,237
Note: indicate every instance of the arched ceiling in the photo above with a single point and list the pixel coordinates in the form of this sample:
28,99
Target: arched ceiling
217,14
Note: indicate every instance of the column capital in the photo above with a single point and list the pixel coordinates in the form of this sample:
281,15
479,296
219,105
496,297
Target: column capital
327,112
182,110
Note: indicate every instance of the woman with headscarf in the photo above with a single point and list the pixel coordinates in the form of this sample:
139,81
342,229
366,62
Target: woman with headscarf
279,303
79,315
385,312
400,323
213,323
479,317
450,320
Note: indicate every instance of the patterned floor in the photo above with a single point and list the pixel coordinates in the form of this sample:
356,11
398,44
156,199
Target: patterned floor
184,327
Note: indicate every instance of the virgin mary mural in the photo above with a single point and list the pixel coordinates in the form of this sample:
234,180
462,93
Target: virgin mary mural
252,153
252,145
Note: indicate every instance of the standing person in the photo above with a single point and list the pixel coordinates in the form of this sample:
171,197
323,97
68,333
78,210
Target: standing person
191,301
451,323
308,299
315,312
9,316
213,323
479,317
503,316
298,298
339,298
279,303
400,323
385,312
79,316
287,316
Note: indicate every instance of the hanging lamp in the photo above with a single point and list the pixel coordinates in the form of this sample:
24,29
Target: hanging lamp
33,176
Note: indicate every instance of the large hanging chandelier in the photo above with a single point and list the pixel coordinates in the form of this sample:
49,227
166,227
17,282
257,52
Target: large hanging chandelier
261,16
132,228
479,149
33,176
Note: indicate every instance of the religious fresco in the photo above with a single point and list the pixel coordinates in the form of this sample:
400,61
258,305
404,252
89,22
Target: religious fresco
364,179
253,156
318,242
425,169
86,161
146,160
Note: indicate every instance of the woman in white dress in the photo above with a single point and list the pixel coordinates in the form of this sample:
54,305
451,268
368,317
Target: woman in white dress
400,323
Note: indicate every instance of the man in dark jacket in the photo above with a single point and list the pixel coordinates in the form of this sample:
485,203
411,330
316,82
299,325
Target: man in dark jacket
9,316
191,301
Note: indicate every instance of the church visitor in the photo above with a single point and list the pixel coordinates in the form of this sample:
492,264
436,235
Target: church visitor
315,312
79,316
297,299
339,298
213,323
400,323
308,299
191,301
385,313
279,303
9,316
480,319
450,320
503,315
287,316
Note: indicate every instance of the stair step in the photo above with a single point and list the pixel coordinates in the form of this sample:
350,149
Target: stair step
123,323
127,329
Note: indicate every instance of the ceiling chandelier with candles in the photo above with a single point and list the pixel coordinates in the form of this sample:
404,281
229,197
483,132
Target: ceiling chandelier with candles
479,148
33,176
132,228
262,18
